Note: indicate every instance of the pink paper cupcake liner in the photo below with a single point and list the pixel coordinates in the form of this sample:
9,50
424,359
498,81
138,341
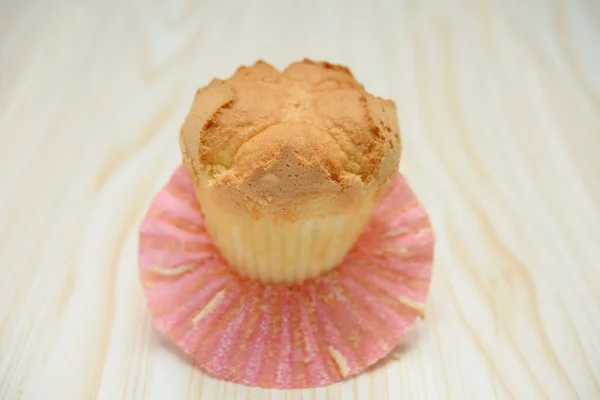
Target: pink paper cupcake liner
285,336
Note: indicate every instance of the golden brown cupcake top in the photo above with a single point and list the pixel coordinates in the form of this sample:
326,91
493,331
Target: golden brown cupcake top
308,141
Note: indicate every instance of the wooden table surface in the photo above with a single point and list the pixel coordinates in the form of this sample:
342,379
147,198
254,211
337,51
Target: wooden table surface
499,105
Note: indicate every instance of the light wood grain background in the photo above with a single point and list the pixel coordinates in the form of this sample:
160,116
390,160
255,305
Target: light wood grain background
499,105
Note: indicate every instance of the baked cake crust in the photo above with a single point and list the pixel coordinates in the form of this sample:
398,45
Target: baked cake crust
308,141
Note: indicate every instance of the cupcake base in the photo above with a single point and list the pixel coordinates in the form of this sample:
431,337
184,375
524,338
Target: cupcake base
288,251
282,336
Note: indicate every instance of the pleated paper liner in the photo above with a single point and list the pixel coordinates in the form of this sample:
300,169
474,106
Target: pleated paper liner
275,335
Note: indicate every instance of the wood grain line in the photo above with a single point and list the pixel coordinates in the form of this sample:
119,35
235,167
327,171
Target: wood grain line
592,371
495,373
525,278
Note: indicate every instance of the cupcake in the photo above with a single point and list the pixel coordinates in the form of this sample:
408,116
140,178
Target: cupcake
287,251
288,166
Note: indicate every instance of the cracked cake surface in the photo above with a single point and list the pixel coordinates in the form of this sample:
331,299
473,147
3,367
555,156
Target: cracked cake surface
305,141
